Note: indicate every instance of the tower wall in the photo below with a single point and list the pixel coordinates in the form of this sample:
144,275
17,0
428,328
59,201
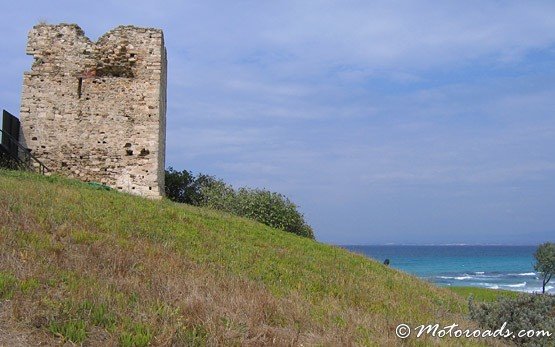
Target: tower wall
96,111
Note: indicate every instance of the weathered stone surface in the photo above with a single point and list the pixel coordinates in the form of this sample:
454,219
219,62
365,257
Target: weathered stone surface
96,111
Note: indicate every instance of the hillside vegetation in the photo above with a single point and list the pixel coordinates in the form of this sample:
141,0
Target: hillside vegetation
270,208
484,294
83,265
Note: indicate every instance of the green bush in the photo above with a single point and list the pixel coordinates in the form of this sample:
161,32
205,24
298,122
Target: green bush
266,207
525,312
218,195
181,186
272,209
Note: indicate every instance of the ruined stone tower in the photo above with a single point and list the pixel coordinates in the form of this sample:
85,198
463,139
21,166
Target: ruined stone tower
96,111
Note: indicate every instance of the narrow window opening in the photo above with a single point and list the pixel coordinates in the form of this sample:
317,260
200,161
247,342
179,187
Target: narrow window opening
79,88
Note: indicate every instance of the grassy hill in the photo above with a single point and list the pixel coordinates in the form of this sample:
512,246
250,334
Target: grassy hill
484,294
105,268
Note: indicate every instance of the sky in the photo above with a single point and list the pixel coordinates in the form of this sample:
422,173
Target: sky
406,122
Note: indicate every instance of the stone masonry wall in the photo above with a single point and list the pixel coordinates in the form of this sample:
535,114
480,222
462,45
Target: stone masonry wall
96,111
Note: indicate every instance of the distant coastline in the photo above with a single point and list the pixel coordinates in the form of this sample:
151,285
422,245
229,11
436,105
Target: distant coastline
508,267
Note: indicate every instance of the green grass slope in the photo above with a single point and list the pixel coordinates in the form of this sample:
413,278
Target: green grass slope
80,265
484,294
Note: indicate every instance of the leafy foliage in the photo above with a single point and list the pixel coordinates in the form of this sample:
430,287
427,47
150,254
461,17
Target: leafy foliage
545,262
270,208
525,312
181,186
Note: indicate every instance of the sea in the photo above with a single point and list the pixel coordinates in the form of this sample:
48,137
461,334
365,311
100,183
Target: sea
494,267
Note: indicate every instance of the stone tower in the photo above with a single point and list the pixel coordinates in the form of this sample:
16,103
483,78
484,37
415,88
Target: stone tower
96,111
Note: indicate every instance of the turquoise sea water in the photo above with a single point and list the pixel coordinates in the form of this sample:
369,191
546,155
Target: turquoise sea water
496,267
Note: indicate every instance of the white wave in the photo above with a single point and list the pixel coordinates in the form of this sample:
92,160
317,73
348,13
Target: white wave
463,277
519,285
479,272
460,278
495,286
524,274
484,275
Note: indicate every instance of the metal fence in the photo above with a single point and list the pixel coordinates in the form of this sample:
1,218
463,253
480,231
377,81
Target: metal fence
13,155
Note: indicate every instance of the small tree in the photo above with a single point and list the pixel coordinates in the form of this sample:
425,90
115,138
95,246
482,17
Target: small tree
545,262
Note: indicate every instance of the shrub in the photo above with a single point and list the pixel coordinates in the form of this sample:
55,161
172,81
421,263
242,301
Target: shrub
217,194
266,207
525,312
272,209
181,186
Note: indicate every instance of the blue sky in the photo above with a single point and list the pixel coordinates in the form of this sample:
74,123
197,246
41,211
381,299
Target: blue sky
386,121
